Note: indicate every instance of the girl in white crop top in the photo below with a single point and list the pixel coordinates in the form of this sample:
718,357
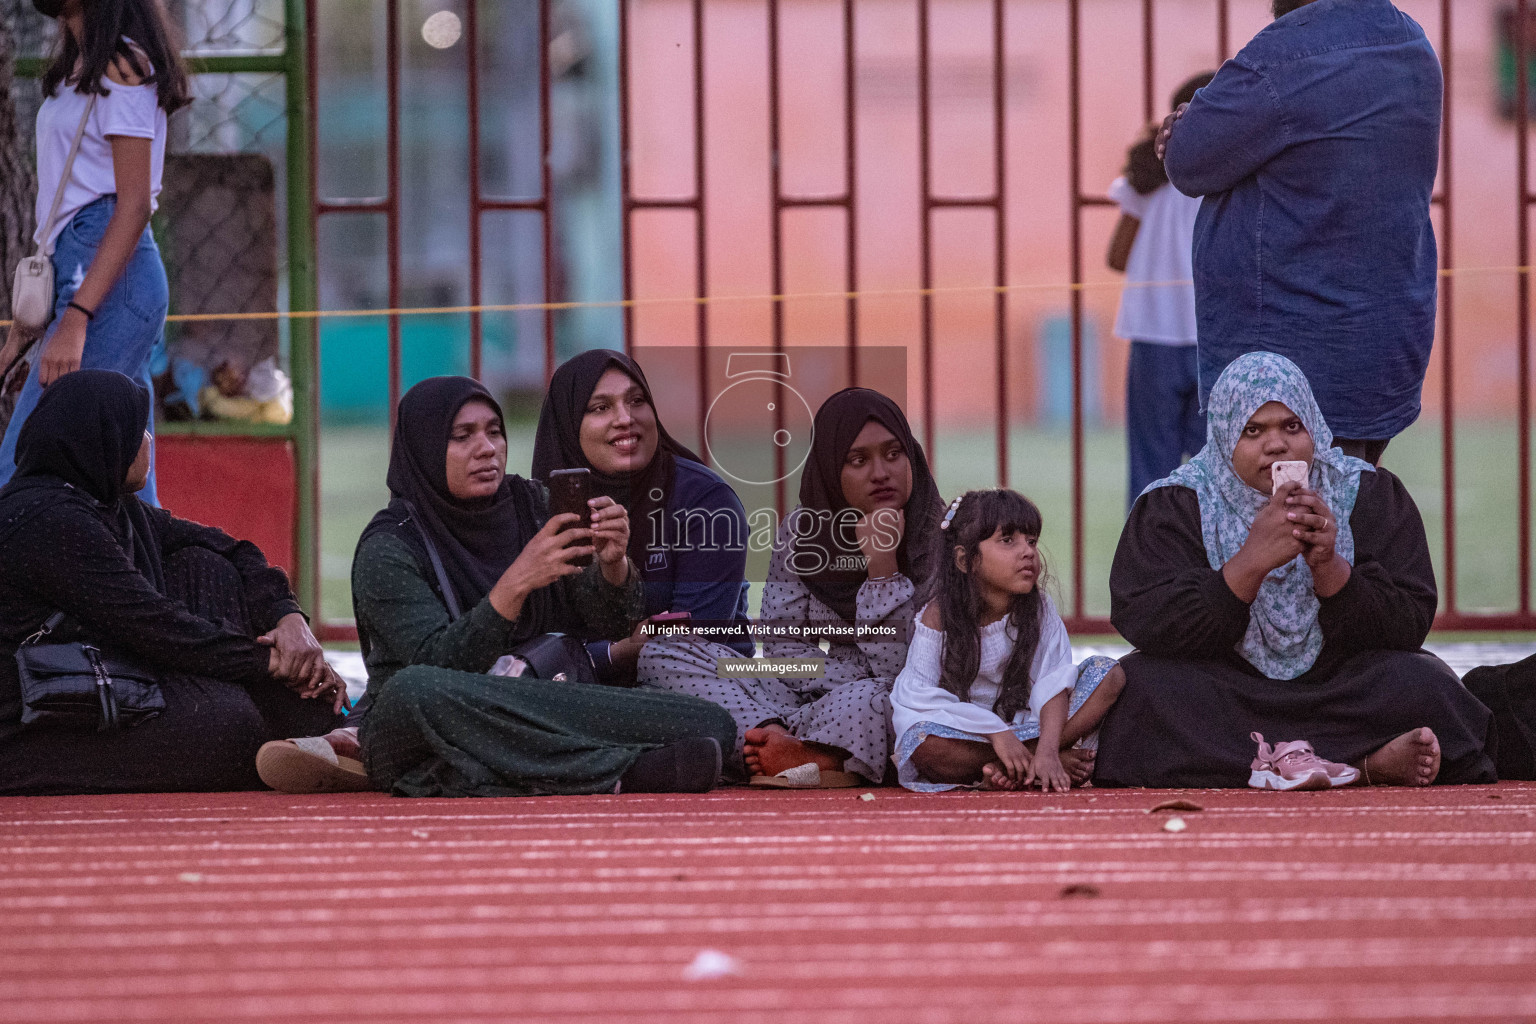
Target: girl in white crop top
989,695
110,291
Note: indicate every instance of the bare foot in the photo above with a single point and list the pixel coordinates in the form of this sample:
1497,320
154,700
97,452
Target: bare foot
1413,759
752,740
771,749
1078,763
344,742
995,776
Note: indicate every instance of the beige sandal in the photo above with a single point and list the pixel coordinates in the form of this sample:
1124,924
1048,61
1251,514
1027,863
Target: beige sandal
809,776
310,765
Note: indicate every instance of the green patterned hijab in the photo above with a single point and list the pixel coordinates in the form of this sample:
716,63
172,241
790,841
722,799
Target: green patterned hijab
1283,638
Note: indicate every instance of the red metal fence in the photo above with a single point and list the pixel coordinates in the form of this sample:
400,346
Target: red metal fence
999,23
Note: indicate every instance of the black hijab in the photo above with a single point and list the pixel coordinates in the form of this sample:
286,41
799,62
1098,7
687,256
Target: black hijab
77,446
558,444
476,540
837,426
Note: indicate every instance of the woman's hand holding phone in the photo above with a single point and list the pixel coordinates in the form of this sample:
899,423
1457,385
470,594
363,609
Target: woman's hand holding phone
610,538
549,555
1316,526
1271,543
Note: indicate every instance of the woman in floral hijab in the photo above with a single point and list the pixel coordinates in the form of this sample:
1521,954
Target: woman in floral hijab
1296,612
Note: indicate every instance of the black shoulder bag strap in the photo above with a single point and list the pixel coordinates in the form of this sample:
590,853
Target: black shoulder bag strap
449,597
50,624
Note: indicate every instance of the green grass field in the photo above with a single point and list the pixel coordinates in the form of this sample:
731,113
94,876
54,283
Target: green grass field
354,459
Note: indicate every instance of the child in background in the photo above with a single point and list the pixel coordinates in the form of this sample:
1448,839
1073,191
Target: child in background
1152,245
989,696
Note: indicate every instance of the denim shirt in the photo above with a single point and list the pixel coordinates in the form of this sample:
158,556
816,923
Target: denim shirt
1315,150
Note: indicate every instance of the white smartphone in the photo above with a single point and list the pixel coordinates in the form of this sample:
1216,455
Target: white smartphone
1281,473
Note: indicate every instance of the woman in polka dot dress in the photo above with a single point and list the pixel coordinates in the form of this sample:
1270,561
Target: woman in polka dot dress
851,563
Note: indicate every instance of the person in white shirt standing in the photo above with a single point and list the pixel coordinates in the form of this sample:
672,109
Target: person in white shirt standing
1152,245
118,71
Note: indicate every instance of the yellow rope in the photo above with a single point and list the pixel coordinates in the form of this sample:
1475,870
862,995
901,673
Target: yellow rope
708,300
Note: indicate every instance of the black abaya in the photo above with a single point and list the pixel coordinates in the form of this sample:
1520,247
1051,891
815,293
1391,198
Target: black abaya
1191,700
187,599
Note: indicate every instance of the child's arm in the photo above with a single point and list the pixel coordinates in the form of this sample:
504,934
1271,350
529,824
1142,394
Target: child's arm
1014,756
1121,241
1046,765
1133,207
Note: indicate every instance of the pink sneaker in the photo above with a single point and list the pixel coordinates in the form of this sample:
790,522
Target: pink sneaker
1295,765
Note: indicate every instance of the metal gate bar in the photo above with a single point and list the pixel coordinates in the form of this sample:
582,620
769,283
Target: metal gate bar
388,204
693,204
480,204
996,203
1523,286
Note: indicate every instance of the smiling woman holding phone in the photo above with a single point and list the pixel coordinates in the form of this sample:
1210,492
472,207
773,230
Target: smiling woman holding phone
688,530
100,150
462,567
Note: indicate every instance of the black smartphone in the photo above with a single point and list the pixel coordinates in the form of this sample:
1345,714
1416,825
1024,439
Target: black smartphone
569,491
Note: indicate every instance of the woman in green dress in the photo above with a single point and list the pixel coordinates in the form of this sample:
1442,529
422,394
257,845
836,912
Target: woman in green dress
433,722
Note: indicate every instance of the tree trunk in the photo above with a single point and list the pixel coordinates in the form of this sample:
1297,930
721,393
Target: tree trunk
17,187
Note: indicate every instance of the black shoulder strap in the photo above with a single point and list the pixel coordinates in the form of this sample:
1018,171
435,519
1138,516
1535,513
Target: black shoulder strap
449,598
50,624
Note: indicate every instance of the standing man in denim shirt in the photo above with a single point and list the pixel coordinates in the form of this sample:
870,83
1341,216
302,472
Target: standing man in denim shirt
1315,149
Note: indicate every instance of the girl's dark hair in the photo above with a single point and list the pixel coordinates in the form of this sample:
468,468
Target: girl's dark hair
1143,169
980,515
105,24
1186,92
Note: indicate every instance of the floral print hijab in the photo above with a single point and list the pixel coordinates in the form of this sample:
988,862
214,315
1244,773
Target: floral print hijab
1283,638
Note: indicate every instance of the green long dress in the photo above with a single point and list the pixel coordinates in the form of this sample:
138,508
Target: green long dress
437,725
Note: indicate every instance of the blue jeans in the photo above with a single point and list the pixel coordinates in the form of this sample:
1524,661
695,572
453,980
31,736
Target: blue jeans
129,320
1163,422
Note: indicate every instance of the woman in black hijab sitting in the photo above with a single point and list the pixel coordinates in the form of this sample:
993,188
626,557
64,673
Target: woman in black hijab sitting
688,530
433,722
236,662
858,552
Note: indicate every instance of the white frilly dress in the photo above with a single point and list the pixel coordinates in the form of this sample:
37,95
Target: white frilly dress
920,707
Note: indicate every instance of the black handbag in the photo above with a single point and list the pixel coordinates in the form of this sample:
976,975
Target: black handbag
554,656
79,686
557,656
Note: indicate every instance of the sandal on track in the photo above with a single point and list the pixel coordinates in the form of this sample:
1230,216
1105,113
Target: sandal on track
310,765
809,776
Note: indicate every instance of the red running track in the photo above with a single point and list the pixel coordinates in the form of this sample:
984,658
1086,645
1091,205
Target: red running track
825,907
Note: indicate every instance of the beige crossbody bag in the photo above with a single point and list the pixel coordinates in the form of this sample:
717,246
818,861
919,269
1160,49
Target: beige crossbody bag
32,287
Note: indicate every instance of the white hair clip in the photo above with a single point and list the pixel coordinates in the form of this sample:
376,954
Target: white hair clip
954,507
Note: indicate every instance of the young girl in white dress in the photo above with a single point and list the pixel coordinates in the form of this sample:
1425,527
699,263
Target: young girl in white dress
989,696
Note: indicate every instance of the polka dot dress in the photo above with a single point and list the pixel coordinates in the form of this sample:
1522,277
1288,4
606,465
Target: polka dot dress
848,708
